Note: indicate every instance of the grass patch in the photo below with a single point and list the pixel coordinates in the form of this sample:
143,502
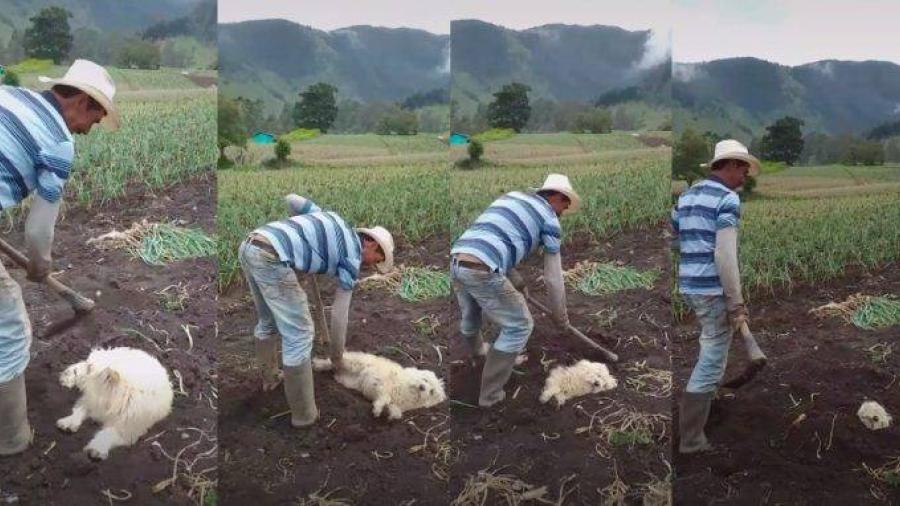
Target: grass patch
865,311
495,134
412,284
593,278
164,243
301,134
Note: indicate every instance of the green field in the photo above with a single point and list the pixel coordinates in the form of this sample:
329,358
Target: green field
419,200
353,149
812,223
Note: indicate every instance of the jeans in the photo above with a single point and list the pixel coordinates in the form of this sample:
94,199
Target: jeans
492,295
15,329
715,339
281,304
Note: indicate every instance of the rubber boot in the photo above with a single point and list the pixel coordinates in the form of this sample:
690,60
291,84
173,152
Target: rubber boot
300,393
268,360
497,369
694,411
15,433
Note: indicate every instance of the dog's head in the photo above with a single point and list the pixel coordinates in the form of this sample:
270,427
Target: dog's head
596,376
80,374
427,387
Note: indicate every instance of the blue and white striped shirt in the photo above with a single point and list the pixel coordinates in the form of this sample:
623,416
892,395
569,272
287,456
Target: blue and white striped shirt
702,210
510,230
36,148
317,242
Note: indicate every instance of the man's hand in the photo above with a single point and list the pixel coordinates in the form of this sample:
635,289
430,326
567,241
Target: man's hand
37,271
738,315
516,279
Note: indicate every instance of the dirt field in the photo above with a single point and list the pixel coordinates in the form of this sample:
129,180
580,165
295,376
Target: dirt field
548,447
348,453
354,457
820,368
54,470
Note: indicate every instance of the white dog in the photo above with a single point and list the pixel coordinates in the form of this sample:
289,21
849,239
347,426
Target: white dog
125,389
386,383
566,382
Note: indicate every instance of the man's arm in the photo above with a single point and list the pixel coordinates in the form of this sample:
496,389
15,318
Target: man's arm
300,205
340,312
553,278
729,274
39,228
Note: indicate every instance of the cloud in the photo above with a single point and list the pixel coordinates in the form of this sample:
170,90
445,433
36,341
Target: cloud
444,67
686,72
351,36
657,48
826,68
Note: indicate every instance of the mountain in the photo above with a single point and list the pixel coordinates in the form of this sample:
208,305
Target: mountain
106,15
275,59
740,96
559,62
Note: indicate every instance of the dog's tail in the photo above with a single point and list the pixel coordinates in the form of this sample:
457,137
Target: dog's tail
322,364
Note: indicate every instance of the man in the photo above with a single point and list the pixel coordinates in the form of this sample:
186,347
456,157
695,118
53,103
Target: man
705,222
486,282
316,242
36,154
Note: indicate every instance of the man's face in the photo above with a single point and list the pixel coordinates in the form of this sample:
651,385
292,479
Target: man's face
85,113
735,173
559,202
371,252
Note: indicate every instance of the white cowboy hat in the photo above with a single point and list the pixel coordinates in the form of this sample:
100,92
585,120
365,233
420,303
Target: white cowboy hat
560,183
730,149
94,80
385,242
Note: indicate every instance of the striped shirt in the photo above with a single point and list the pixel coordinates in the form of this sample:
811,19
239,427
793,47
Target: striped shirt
702,210
36,148
510,230
317,242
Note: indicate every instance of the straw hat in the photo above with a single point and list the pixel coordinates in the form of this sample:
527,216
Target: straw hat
731,149
386,242
94,80
560,183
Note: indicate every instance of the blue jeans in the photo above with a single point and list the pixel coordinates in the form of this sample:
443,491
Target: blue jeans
281,304
715,339
15,329
492,295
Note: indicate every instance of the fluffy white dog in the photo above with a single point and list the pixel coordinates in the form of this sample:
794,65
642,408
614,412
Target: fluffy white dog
124,389
566,382
386,383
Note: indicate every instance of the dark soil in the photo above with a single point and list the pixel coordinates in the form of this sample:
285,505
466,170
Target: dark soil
54,470
537,443
364,460
819,368
348,453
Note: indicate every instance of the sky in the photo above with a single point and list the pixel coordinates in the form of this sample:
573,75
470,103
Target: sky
790,32
434,16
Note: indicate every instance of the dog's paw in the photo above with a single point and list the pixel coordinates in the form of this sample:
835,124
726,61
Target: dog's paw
394,413
95,452
69,423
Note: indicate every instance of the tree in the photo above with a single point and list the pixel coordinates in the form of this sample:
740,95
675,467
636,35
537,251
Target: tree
475,150
252,114
691,150
317,107
10,78
13,51
783,141
282,151
623,119
510,108
49,36
398,122
231,127
137,53
594,121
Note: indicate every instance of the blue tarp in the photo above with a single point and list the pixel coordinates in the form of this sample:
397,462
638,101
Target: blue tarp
263,138
458,138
